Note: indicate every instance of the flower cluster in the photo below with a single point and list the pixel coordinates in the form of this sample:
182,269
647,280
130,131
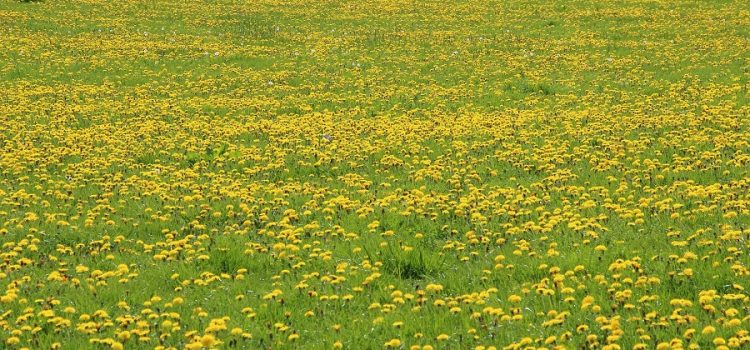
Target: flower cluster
374,175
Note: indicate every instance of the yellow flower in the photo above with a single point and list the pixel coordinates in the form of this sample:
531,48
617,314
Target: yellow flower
434,287
194,346
124,335
393,343
708,330
208,340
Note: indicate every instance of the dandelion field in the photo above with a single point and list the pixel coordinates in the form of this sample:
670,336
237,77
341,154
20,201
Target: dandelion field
373,175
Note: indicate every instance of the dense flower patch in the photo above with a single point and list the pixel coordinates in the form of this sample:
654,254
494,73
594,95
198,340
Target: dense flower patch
376,174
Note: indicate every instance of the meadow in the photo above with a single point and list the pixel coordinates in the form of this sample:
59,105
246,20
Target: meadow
285,174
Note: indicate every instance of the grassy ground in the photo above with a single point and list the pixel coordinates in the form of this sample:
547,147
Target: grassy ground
360,175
